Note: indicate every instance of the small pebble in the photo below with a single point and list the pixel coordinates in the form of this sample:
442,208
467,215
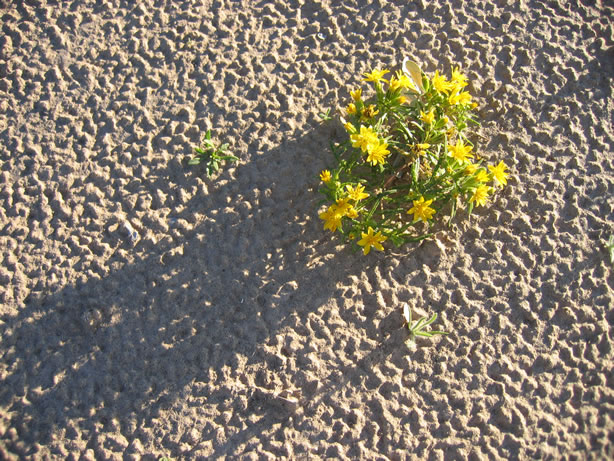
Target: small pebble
131,233
321,36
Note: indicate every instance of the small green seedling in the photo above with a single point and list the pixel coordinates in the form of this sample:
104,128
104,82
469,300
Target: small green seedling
417,328
210,155
610,247
325,116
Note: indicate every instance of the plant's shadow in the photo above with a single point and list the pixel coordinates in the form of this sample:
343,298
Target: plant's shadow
195,314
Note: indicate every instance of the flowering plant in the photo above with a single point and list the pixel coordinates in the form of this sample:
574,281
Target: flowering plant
408,159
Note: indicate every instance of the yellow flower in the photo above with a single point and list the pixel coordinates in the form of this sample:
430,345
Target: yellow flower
402,99
421,210
356,94
460,98
325,176
421,148
369,112
499,174
350,127
471,168
429,117
331,218
345,208
405,82
377,153
395,84
364,139
459,80
480,196
334,214
460,151
376,76
440,83
482,176
356,193
370,240
351,109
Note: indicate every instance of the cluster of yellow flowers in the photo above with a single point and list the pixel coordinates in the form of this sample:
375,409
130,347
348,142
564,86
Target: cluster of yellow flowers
343,206
406,147
453,88
367,141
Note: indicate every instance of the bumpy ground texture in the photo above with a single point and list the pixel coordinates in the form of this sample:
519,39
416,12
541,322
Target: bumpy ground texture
238,327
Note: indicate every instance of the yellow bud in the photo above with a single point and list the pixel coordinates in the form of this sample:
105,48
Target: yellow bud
395,84
350,128
428,117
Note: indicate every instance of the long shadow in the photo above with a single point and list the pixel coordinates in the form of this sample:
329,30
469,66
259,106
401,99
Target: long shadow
186,320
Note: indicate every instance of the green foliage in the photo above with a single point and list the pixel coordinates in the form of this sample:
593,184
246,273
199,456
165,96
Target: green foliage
417,328
325,116
211,155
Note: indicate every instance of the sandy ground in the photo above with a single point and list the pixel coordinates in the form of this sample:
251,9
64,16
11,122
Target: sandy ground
236,327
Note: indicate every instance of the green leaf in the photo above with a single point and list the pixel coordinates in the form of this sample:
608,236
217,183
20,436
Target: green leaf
334,151
419,324
423,333
194,161
452,212
325,116
431,320
416,170
396,240
375,205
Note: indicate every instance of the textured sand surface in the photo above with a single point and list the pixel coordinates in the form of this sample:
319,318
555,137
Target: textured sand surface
236,326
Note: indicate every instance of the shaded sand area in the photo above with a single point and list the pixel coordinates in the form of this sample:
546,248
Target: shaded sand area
236,327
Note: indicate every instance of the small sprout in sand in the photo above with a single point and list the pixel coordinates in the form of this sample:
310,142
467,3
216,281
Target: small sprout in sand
211,155
417,328
610,247
325,116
